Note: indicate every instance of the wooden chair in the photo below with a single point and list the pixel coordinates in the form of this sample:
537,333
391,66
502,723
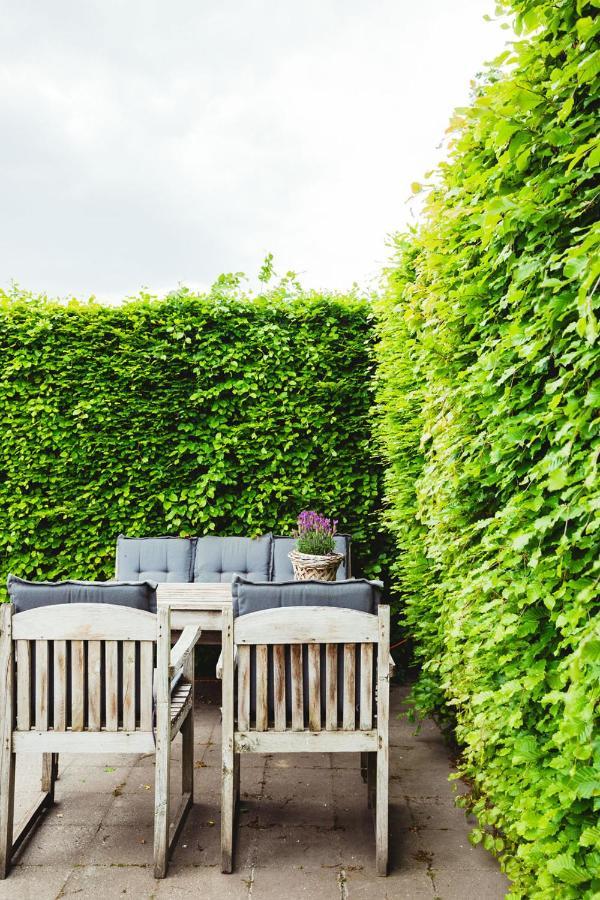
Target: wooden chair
81,678
266,649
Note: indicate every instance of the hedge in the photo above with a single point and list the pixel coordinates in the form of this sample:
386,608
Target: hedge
489,397
216,414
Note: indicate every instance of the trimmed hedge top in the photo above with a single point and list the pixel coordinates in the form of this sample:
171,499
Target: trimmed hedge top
190,415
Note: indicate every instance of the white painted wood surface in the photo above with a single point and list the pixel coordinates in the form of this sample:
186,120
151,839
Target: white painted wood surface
305,741
85,622
163,744
7,754
306,625
383,715
227,746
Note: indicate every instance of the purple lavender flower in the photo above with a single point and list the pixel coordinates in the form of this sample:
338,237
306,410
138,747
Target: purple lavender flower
315,533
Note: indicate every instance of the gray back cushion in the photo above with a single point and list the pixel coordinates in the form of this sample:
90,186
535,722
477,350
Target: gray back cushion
353,593
220,558
281,564
33,594
157,559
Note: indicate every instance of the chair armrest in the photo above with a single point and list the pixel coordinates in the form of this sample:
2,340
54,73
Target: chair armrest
219,671
183,648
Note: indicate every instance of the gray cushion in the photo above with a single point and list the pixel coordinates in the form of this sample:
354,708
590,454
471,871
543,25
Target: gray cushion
281,564
353,593
33,594
157,559
220,558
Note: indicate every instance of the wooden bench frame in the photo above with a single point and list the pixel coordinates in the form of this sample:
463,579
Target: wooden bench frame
107,631
310,626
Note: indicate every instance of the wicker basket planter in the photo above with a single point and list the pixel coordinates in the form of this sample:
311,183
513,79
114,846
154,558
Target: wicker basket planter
321,568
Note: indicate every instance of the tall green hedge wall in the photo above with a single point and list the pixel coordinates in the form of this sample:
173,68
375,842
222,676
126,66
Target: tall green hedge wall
490,394
188,415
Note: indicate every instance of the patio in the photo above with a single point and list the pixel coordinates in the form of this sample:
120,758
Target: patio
304,827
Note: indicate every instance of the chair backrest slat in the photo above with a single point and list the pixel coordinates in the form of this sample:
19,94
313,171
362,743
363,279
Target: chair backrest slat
279,710
243,663
41,685
262,707
111,685
129,685
331,700
77,685
349,702
146,674
94,670
59,690
314,687
366,686
297,688
24,691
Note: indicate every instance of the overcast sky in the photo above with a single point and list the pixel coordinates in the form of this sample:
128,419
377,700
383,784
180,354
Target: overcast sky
148,143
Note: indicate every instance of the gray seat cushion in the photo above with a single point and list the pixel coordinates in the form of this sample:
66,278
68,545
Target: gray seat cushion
352,593
155,558
34,594
220,558
281,564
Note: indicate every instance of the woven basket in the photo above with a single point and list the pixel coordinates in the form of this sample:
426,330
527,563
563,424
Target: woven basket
321,568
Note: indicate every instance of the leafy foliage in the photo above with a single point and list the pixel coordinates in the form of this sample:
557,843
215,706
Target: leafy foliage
488,388
220,413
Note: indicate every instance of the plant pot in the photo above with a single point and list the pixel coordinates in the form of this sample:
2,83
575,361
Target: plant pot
321,568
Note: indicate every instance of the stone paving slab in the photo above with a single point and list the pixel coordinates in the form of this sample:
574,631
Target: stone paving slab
304,828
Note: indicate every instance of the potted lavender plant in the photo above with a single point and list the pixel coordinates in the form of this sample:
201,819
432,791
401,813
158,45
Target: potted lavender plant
314,555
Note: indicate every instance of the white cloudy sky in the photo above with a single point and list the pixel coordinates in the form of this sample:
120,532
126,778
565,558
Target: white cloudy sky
147,142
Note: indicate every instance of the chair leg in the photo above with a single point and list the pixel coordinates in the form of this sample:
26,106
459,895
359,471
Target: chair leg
363,766
381,813
49,773
187,756
7,808
371,766
161,805
227,807
236,781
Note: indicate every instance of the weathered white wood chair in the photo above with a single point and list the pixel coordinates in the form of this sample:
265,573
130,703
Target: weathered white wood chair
81,678
266,649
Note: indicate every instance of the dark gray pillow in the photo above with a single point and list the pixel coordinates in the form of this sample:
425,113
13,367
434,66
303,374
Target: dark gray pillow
155,558
281,564
220,558
353,593
34,594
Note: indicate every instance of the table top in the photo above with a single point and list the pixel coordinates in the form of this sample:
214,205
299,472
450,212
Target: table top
200,596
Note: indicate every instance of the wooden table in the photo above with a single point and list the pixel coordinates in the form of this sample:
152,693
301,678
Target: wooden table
197,603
